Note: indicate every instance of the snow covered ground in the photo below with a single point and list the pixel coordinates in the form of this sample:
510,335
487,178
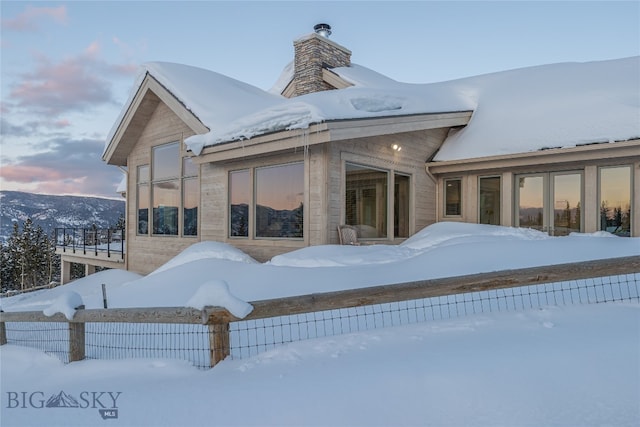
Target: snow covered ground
567,366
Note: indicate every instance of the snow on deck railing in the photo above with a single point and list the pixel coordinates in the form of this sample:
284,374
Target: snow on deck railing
207,336
91,241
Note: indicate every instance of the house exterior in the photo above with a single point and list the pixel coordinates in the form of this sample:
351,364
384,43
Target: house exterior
211,158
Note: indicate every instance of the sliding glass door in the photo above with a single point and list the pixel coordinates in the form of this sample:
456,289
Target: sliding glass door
550,202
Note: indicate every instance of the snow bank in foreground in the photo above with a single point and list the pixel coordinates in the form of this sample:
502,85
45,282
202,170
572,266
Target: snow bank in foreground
440,250
67,303
90,288
206,250
216,293
560,366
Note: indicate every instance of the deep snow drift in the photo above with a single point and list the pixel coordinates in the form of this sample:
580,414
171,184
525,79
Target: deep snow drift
563,366
441,250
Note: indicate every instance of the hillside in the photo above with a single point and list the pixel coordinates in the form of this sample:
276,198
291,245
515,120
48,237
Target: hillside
51,212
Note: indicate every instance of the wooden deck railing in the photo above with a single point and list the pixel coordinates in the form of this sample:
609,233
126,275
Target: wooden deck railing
218,319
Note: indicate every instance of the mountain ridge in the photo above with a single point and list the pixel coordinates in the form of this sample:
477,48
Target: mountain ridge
56,211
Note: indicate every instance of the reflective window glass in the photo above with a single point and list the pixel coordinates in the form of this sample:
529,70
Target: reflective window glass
188,167
166,202
143,208
166,161
489,200
366,200
279,201
239,199
452,197
615,200
190,202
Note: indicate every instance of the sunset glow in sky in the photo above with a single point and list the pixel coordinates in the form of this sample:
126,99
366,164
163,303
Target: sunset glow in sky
67,67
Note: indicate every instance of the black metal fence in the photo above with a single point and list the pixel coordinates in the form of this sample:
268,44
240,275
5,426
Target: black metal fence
248,338
194,342
109,241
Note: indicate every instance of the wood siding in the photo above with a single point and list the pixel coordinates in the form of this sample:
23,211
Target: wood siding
146,253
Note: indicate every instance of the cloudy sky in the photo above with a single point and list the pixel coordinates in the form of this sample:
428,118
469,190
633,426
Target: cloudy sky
67,67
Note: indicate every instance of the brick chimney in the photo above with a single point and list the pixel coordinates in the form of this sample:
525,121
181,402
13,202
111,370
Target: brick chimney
313,53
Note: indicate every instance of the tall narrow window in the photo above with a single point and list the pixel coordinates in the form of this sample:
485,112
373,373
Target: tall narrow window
190,197
401,206
530,199
166,188
143,199
489,200
239,199
279,195
453,197
366,200
615,200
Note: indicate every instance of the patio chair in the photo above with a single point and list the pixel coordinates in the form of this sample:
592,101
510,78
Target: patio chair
348,235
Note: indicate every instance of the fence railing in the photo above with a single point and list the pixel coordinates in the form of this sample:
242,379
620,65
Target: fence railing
208,336
91,240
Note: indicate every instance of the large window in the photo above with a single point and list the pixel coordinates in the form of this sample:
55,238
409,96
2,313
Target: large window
143,199
489,192
170,187
366,200
615,200
278,195
165,177
239,196
453,197
550,202
279,201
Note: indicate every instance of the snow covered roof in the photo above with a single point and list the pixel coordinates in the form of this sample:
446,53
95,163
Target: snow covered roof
522,110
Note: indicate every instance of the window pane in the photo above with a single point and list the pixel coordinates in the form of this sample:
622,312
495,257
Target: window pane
143,209
143,173
366,201
166,200
531,202
401,206
452,200
567,198
239,187
188,167
490,200
615,200
190,203
166,161
279,196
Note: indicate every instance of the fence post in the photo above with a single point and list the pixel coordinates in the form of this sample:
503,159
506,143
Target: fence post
3,332
76,340
219,346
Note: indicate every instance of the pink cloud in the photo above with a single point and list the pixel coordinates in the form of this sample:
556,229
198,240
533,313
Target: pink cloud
67,85
27,20
74,83
62,123
29,174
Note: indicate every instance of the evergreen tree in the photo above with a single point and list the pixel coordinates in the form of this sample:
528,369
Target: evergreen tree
578,218
6,269
28,258
120,224
617,216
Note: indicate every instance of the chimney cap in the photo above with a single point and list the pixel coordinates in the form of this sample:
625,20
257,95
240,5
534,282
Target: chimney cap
323,30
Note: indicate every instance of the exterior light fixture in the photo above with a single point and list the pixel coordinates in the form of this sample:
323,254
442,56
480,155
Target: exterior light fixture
396,147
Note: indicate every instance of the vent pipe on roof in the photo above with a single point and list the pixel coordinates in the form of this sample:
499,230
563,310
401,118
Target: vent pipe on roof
323,30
